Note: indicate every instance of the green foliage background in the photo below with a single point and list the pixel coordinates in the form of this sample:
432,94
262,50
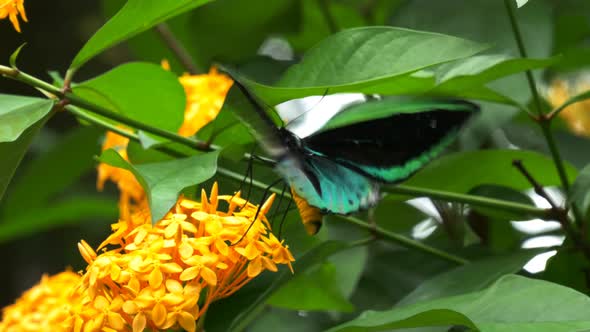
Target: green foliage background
467,272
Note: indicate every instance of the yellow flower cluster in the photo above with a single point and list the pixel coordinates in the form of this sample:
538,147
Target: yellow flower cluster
205,96
167,275
577,116
11,9
44,307
157,277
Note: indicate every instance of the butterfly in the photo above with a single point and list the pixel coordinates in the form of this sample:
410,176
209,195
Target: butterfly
339,168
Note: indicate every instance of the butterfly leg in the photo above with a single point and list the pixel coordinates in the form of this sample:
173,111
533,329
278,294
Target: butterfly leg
283,219
264,196
278,206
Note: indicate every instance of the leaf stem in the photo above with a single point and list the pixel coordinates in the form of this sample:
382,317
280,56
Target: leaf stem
70,98
177,48
543,119
325,9
469,199
405,241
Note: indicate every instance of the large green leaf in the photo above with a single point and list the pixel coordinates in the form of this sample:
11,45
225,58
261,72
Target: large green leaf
141,91
136,16
468,278
482,69
17,113
580,190
309,260
358,59
56,169
163,181
13,152
67,212
513,303
462,171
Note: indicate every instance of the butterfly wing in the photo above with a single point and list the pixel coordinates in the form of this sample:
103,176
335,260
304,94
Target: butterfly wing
328,185
389,149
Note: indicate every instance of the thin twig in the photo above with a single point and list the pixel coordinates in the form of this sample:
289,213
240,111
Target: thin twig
177,48
330,21
559,213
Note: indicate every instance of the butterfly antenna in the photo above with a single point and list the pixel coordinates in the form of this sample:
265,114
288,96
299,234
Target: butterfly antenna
308,110
284,218
264,196
278,206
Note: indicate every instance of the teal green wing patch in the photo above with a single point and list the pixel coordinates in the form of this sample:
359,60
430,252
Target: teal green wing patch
328,185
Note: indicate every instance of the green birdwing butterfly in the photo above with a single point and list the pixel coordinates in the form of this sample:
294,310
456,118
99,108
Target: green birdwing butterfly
339,168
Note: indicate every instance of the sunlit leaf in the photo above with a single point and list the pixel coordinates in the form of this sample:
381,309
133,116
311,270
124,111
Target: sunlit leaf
163,181
513,303
520,3
135,16
358,59
469,277
17,113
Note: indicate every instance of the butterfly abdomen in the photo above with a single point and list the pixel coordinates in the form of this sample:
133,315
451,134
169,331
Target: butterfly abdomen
310,215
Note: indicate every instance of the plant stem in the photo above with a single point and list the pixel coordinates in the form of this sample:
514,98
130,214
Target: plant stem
177,48
325,9
405,242
469,199
91,107
543,120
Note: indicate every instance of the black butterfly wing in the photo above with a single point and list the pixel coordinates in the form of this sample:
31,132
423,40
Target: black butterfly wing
389,149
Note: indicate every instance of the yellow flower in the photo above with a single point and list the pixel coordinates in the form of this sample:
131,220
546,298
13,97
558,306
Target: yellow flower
44,307
11,9
577,116
166,276
204,98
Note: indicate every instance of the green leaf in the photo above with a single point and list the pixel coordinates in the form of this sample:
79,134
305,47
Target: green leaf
56,169
18,113
135,16
513,303
568,268
468,278
67,212
482,69
13,152
462,171
361,59
580,190
575,99
141,91
14,56
380,109
316,290
163,181
310,259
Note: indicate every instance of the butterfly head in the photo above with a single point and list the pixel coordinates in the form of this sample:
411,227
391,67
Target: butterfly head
290,141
